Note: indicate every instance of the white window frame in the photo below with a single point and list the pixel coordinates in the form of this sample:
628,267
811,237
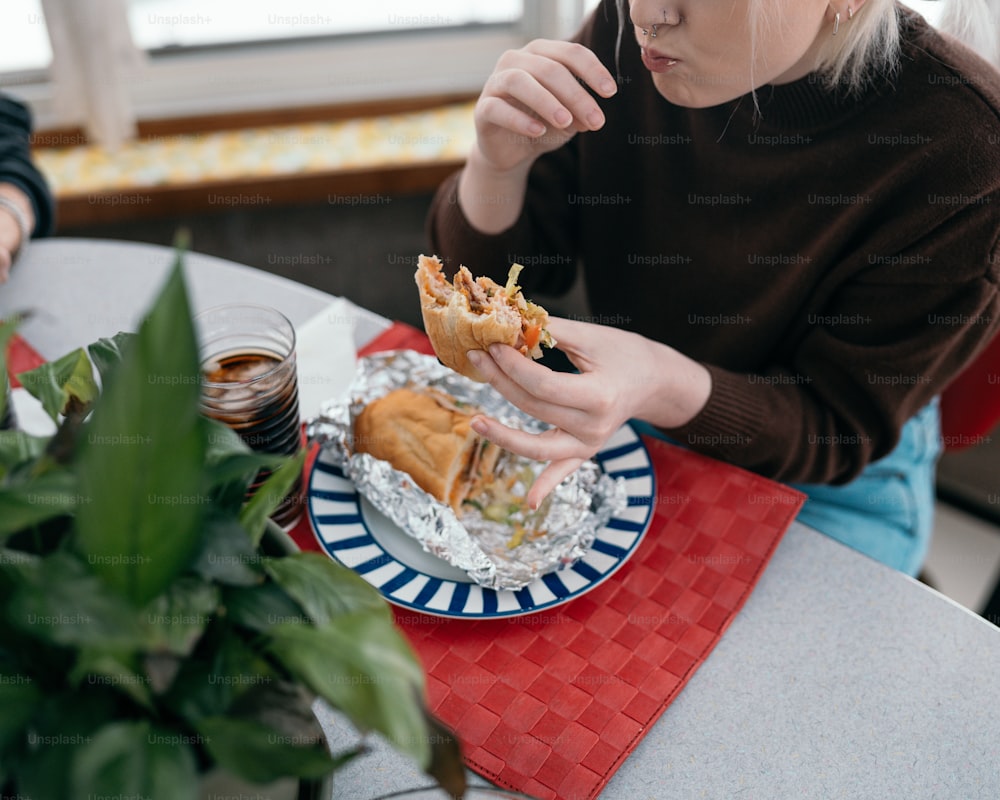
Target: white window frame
100,81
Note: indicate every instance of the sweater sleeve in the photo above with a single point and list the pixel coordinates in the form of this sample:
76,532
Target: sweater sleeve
16,166
543,239
888,343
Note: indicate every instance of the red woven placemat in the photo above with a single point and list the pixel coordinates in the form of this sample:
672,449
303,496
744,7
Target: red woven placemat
21,357
551,704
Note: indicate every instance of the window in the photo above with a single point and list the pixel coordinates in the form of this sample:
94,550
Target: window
24,40
156,59
160,24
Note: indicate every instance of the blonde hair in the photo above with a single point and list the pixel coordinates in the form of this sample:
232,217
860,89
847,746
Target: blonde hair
976,23
865,48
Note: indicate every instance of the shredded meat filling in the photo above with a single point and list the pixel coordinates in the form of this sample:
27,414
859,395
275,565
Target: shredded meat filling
479,300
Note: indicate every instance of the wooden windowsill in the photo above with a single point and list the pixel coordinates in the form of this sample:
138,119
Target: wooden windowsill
339,155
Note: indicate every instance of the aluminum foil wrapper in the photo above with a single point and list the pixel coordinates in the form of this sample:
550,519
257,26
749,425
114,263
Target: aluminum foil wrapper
556,535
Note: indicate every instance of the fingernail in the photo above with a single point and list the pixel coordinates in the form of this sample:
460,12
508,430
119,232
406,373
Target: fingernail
563,117
596,119
479,426
609,88
495,350
475,357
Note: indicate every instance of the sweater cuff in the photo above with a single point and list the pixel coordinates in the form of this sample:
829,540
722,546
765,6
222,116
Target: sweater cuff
729,426
454,225
40,198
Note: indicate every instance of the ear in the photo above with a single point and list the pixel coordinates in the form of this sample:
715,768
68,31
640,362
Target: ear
846,9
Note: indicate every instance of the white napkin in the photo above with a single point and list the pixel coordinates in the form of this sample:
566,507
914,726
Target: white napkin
326,356
31,417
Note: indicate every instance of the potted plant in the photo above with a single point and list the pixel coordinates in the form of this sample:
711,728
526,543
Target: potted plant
153,628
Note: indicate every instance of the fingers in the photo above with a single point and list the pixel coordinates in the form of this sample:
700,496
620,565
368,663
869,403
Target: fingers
551,445
545,78
5,264
537,390
505,115
550,478
579,60
555,446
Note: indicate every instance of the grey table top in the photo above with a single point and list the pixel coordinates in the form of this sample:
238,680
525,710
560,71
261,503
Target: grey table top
840,678
83,289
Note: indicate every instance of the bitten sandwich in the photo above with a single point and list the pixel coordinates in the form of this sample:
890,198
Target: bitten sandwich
473,313
427,435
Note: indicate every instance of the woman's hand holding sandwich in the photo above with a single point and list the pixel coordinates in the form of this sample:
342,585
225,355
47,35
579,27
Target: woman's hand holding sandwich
653,382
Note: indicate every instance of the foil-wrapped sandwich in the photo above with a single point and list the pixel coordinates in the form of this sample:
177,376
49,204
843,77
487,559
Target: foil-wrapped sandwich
402,436
426,434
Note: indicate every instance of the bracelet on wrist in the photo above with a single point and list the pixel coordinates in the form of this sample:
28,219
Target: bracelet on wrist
21,219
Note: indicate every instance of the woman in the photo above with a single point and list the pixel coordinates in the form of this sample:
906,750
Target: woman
786,209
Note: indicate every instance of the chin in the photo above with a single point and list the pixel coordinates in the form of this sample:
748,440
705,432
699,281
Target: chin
691,94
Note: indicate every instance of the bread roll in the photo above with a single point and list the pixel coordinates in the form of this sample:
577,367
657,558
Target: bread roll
471,314
427,435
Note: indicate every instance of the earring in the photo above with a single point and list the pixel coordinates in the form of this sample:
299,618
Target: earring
836,24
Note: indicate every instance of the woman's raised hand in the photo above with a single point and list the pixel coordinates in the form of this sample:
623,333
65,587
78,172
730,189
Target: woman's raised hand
536,100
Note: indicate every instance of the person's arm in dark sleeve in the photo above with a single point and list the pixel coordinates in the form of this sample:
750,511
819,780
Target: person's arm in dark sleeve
18,171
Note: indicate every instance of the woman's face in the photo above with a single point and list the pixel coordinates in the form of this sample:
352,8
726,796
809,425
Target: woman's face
704,55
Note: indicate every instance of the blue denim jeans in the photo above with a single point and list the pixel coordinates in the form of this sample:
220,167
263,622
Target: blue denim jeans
887,512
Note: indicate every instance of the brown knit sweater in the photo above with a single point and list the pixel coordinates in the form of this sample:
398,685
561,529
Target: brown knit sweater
833,262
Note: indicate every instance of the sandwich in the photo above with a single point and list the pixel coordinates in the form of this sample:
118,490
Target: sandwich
473,313
426,433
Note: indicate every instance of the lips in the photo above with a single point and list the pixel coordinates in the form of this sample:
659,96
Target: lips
658,62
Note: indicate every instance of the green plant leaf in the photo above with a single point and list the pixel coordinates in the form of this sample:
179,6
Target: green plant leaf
232,465
64,723
208,683
361,664
60,601
263,607
256,512
106,668
18,447
108,353
283,706
259,753
46,496
135,759
323,588
8,328
19,697
176,619
55,383
141,465
227,555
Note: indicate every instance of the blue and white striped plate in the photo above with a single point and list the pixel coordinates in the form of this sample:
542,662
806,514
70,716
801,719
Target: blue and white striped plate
352,531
